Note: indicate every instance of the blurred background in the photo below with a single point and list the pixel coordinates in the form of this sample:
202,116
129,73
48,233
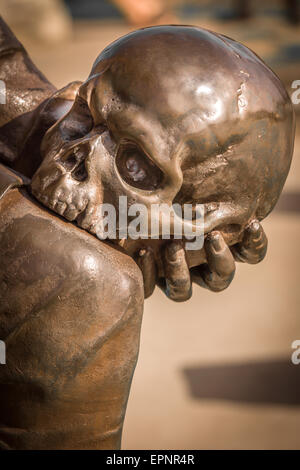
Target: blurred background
215,372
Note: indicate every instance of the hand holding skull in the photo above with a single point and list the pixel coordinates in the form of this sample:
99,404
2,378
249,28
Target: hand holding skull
161,127
216,274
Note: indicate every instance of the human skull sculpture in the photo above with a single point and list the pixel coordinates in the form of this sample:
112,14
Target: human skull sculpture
171,114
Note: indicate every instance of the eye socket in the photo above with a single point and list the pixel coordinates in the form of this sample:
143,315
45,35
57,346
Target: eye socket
136,168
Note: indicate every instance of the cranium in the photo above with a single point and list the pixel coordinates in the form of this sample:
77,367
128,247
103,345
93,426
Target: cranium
171,114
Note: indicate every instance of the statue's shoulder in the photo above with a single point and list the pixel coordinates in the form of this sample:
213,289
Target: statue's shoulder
54,245
65,294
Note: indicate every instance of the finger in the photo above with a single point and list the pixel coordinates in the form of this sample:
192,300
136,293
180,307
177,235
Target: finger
178,285
219,271
146,262
253,247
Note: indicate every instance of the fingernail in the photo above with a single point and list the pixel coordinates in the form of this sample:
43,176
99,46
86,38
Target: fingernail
254,226
217,242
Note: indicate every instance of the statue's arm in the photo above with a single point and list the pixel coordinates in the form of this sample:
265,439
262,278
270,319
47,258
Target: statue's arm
23,89
26,87
30,104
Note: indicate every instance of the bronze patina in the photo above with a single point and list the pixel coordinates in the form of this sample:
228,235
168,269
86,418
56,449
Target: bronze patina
168,114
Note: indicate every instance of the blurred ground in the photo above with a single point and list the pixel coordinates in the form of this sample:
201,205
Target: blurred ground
215,372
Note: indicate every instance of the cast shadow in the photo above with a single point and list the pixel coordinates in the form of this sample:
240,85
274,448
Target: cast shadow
266,382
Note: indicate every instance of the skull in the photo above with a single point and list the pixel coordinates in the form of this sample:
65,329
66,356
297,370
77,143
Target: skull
171,114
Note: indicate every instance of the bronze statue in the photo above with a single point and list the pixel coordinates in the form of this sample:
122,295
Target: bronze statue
169,114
